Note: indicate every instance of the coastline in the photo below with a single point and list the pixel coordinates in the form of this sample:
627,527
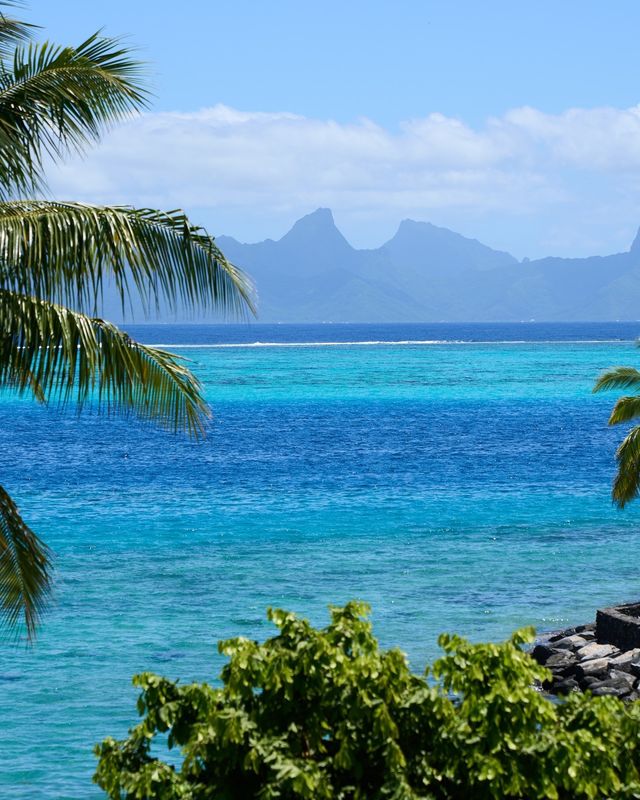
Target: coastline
602,657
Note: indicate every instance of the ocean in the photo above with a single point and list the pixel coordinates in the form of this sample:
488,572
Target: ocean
457,477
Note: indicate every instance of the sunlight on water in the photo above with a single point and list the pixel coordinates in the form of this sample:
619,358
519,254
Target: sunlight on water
459,487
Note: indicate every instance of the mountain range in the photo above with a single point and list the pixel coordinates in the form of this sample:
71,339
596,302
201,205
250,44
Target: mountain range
425,274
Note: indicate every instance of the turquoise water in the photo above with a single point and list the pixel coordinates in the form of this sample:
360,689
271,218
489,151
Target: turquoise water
460,487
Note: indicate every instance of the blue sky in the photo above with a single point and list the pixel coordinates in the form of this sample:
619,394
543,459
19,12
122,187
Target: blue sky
513,122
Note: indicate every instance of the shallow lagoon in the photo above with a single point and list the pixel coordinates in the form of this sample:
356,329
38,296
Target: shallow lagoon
456,486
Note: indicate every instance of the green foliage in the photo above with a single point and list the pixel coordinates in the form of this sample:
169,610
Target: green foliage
58,352
65,252
626,484
325,714
56,257
24,568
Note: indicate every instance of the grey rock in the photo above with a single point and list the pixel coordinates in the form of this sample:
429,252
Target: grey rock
623,678
589,628
594,667
624,660
595,650
634,668
616,683
586,683
574,642
541,653
606,690
565,686
562,634
560,660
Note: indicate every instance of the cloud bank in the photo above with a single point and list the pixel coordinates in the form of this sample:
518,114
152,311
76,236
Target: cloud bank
527,178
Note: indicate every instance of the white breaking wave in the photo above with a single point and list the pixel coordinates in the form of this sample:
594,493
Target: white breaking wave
385,343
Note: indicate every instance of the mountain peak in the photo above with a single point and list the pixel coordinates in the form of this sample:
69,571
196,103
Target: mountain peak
320,214
427,273
318,226
319,220
440,250
412,224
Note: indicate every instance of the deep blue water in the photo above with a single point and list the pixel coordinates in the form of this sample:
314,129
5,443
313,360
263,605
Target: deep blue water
386,332
460,486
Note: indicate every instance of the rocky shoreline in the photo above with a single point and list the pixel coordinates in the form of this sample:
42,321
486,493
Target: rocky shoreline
579,662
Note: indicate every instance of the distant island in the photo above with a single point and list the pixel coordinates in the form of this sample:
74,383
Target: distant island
423,274
428,274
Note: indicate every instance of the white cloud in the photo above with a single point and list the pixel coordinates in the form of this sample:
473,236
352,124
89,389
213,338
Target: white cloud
241,167
590,139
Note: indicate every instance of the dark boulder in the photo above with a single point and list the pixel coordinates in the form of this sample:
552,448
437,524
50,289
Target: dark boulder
562,634
589,628
596,667
541,653
587,683
562,661
565,686
617,684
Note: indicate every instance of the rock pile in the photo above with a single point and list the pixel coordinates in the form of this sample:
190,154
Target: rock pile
578,662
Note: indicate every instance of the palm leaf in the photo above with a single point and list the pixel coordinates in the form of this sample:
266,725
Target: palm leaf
56,99
626,484
618,378
13,32
25,567
62,355
625,409
66,252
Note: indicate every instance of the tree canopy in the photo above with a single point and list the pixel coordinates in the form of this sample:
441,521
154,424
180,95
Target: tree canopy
324,713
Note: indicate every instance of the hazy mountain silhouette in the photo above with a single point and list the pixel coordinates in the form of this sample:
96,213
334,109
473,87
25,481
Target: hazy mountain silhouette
426,273
422,274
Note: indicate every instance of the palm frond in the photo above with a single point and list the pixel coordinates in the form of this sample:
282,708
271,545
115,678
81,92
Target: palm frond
63,355
67,252
626,484
625,409
13,32
618,378
25,569
58,99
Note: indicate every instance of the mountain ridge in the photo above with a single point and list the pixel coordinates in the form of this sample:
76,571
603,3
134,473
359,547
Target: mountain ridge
427,273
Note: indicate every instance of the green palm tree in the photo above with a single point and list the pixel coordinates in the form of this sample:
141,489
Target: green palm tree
626,484
56,257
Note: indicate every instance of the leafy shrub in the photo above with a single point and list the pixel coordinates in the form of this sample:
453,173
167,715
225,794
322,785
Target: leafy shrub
325,714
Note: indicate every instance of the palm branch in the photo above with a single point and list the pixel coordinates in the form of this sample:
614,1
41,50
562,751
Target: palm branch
56,99
25,565
60,354
56,259
626,483
67,252
13,32
618,378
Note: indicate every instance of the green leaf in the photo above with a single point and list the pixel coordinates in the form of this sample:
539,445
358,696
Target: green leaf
13,32
67,252
58,99
625,409
57,257
66,355
618,378
626,484
25,569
